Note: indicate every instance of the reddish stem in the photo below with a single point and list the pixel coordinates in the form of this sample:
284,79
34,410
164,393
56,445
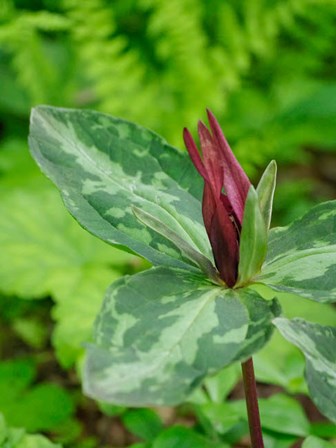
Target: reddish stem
252,404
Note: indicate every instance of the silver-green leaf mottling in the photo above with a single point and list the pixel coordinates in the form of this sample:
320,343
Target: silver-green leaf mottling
301,258
102,165
196,257
318,344
161,331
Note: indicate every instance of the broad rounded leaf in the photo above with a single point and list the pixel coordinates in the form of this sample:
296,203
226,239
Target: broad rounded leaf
301,257
161,331
318,344
103,166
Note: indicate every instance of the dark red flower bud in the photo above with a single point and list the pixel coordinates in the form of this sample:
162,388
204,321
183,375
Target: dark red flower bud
225,190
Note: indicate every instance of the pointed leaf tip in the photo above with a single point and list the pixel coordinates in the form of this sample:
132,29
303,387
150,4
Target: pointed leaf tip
265,190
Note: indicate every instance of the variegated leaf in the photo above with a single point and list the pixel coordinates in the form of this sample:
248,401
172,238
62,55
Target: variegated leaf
104,165
318,344
301,258
265,190
204,263
161,331
253,240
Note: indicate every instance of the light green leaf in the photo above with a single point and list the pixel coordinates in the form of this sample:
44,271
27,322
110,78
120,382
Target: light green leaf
315,442
253,240
318,344
284,415
265,191
301,257
17,438
44,252
35,441
219,386
161,331
104,165
217,417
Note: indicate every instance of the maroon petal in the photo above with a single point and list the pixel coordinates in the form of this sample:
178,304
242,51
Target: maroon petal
236,182
193,153
208,207
211,161
225,246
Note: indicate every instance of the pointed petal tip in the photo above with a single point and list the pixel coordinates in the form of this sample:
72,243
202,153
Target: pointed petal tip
203,131
211,116
188,139
193,153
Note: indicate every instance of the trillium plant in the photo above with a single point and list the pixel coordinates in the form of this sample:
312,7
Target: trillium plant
205,229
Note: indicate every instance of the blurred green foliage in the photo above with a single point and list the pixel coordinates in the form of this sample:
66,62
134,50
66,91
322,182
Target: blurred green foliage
266,69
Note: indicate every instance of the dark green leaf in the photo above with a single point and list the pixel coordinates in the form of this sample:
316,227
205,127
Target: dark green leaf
144,423
181,437
315,442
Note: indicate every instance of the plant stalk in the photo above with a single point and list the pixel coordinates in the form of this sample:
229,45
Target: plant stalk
252,404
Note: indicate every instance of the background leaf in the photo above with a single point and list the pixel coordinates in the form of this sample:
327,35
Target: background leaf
17,438
37,408
181,437
144,423
73,267
315,442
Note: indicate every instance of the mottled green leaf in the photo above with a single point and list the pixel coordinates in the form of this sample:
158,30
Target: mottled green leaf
318,344
280,362
301,257
104,165
187,249
253,240
265,191
161,331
